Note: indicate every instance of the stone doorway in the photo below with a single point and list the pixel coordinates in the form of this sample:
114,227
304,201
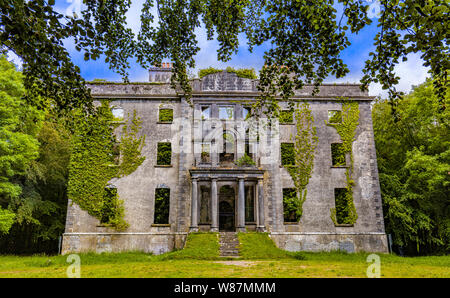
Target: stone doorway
227,208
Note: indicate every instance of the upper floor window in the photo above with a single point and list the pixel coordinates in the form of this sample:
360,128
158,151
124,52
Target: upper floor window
286,117
117,113
165,115
206,113
337,154
246,113
287,154
334,116
226,113
164,154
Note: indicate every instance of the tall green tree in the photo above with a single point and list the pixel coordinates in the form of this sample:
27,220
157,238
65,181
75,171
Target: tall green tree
18,143
413,154
307,38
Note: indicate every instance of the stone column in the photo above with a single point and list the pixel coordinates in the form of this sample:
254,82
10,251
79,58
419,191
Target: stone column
214,206
260,225
194,207
241,206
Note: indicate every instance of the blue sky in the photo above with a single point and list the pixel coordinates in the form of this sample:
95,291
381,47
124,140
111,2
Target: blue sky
411,72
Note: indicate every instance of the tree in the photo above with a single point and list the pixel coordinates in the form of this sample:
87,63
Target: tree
414,161
307,38
18,143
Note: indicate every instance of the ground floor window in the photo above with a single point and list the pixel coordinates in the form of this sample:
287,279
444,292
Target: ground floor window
290,205
162,206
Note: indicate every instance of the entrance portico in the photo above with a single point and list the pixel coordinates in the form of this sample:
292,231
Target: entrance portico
227,199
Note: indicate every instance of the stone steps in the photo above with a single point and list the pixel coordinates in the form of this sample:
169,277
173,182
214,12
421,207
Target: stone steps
229,244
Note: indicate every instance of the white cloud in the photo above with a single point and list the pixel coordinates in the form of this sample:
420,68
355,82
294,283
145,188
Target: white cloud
411,72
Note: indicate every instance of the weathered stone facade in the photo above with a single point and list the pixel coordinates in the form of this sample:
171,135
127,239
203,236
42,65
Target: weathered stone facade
209,192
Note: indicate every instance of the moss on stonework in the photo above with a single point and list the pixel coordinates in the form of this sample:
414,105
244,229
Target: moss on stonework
248,73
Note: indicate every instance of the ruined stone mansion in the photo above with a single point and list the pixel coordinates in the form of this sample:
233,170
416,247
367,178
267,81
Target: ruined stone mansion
199,184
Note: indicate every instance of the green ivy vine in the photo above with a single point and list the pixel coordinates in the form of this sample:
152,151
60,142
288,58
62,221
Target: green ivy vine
96,158
304,147
345,210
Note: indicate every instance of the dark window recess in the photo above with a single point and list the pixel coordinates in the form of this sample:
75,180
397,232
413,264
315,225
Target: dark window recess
337,154
286,116
334,117
206,113
164,154
246,113
290,205
109,205
249,204
162,206
166,115
342,212
287,154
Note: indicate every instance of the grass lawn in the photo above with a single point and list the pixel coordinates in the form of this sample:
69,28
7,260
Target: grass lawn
200,258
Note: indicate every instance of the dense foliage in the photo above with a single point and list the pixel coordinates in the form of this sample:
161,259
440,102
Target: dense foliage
413,154
306,36
34,159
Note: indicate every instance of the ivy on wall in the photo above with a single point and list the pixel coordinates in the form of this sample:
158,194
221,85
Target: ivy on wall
304,147
346,129
97,157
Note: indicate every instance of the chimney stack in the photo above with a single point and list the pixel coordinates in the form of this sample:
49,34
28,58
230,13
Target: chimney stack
161,74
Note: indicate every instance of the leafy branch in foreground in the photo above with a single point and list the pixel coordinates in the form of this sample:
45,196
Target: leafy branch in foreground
307,37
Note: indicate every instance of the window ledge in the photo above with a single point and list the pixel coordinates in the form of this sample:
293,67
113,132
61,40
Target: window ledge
161,225
290,223
161,122
286,123
343,225
339,167
163,166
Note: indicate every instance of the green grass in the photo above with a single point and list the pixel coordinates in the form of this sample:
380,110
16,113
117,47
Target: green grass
258,246
200,258
199,246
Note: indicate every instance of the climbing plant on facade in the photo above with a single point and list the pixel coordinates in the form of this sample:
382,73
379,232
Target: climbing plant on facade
345,211
304,146
97,157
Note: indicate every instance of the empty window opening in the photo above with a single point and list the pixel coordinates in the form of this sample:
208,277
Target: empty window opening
162,206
